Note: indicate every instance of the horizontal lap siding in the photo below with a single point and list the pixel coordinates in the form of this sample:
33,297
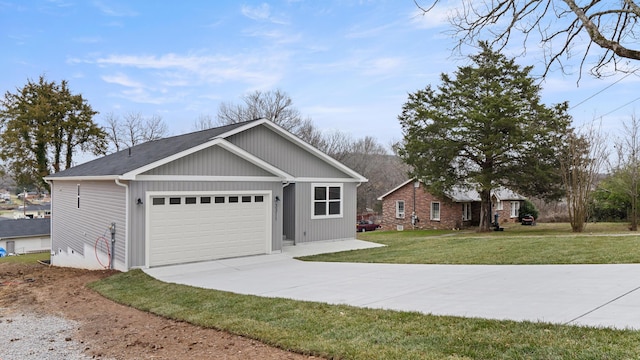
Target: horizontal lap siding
101,203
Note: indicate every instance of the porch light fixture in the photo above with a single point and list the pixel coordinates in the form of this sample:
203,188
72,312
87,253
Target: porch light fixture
139,202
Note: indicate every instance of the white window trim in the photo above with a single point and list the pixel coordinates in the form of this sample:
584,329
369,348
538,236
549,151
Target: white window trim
431,216
400,215
499,205
515,209
466,211
313,201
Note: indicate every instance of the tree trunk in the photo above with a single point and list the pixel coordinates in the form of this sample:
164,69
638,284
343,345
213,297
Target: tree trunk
485,211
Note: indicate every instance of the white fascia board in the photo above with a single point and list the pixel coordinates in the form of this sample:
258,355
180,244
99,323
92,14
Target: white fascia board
82,178
329,180
394,189
328,159
207,178
133,175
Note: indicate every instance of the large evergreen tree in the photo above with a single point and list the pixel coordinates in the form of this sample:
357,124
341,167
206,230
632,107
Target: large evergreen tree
41,124
483,128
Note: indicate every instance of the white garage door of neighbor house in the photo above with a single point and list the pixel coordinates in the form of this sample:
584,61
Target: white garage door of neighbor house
189,228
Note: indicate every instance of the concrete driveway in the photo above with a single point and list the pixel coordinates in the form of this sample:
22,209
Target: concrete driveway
591,295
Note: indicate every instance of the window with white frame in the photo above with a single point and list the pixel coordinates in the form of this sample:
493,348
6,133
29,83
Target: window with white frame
515,209
77,195
399,209
466,211
326,200
435,211
498,205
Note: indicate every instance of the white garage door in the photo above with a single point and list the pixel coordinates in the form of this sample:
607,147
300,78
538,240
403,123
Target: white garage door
188,228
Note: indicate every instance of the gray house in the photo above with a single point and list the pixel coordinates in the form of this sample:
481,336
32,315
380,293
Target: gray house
237,190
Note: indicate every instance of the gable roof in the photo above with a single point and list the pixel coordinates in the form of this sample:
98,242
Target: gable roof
127,164
19,228
459,194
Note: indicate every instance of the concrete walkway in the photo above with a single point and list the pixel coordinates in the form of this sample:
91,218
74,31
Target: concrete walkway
591,295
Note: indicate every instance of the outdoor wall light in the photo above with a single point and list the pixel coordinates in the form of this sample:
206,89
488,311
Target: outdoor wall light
139,202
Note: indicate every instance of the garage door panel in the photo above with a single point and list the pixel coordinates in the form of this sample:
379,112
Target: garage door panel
196,232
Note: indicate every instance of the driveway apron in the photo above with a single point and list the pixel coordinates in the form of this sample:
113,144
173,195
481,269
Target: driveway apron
589,295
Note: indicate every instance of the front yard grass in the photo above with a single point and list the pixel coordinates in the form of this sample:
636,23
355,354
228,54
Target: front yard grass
346,332
26,258
606,243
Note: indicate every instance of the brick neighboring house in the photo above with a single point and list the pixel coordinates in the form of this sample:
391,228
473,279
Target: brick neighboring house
459,209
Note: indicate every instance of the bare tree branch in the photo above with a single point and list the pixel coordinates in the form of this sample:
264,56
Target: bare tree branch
610,25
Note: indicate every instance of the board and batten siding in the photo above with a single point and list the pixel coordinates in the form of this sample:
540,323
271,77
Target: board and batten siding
212,161
138,190
284,154
73,226
308,229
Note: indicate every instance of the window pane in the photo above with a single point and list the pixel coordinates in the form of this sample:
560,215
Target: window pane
320,208
259,198
320,193
334,193
190,200
158,201
219,200
246,199
233,199
334,208
174,201
205,200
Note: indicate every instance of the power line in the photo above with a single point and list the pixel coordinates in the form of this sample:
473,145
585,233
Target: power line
601,91
620,107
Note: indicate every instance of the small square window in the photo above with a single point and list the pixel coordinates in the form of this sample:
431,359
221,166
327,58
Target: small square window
258,198
233,199
219,200
246,199
175,201
190,200
205,200
158,201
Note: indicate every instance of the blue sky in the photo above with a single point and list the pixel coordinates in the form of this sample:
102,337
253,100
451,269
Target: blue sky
348,65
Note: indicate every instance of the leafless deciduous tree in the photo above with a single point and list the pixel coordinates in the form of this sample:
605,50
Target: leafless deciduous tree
627,169
133,129
204,122
585,154
559,27
276,106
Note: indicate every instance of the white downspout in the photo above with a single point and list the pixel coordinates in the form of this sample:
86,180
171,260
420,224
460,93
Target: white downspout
126,226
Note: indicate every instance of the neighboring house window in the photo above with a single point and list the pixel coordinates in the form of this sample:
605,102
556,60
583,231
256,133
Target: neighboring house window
399,209
499,205
77,196
327,201
435,211
466,211
515,208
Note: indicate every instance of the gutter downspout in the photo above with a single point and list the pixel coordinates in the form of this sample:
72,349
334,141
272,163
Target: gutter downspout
51,251
126,227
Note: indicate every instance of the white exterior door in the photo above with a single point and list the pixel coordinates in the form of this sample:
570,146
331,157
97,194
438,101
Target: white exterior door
183,228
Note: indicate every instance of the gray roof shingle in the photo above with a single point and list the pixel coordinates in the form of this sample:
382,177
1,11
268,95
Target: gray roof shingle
24,227
127,160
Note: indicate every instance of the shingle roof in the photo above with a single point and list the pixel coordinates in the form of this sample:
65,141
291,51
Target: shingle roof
143,154
24,228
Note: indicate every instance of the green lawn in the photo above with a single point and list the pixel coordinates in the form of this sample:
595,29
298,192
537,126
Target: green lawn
345,332
27,258
541,244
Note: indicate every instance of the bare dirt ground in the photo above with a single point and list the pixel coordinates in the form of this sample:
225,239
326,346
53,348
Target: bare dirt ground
108,330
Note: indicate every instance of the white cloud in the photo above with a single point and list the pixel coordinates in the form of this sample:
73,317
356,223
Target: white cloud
437,16
111,10
261,12
122,80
